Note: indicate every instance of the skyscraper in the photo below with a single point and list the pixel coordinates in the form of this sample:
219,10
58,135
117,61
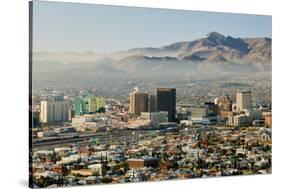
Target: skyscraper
89,104
212,108
244,100
80,106
166,101
100,103
54,110
92,103
225,103
138,102
152,103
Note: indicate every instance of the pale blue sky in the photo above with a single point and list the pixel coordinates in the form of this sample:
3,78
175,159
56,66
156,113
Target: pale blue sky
86,27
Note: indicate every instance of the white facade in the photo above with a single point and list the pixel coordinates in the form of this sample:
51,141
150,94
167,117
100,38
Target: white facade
78,120
160,117
186,122
216,100
244,100
53,111
200,121
45,134
237,120
96,168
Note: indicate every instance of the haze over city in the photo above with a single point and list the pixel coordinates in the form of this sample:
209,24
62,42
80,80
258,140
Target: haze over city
125,94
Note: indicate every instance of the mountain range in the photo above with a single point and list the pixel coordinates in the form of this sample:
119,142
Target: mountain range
215,47
211,54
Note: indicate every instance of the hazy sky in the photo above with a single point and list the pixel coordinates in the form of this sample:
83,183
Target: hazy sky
85,27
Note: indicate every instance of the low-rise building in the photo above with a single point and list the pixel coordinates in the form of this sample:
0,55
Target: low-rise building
237,120
155,117
96,168
142,162
82,172
267,118
47,133
253,115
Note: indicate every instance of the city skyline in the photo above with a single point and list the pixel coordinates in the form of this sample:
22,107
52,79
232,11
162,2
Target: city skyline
119,144
197,103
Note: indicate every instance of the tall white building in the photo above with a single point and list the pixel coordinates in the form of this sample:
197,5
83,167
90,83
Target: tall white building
54,110
244,100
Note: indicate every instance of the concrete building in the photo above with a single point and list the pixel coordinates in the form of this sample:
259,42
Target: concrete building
198,112
96,168
183,115
208,110
42,134
138,102
159,117
141,163
212,108
152,103
79,120
216,100
83,172
200,122
89,123
54,110
224,114
138,123
224,104
244,100
267,118
135,163
237,120
166,101
201,116
186,122
234,107
253,115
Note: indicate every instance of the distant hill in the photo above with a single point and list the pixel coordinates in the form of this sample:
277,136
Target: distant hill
213,47
212,54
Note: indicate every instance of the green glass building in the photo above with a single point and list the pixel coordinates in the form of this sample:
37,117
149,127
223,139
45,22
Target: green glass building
89,104
100,103
92,103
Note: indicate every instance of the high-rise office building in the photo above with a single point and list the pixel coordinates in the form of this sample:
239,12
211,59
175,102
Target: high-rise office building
212,108
89,104
54,110
224,104
138,102
244,100
152,103
199,112
80,106
166,101
35,119
100,103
